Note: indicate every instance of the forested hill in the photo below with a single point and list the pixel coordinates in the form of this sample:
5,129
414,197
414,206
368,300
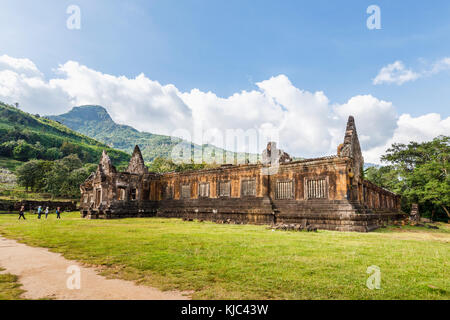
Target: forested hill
24,136
95,122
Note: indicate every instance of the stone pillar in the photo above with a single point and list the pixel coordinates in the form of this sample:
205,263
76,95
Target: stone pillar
415,215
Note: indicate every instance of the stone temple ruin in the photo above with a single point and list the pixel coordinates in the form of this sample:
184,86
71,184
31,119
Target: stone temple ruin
326,193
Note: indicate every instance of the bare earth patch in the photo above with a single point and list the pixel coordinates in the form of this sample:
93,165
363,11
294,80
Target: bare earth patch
43,274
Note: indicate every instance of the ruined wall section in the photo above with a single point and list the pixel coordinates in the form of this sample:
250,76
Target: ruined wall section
379,199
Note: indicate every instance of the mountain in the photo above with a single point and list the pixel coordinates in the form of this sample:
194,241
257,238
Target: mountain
24,136
95,122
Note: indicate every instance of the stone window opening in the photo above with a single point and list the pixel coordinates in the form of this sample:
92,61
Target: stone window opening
168,193
121,194
284,190
203,190
248,188
98,197
316,188
133,194
224,190
186,191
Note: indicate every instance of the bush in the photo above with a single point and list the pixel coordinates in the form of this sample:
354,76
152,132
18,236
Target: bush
24,151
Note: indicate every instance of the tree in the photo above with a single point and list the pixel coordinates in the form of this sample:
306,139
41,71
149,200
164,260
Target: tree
387,177
72,162
6,148
161,165
68,148
24,151
66,176
32,173
53,154
423,170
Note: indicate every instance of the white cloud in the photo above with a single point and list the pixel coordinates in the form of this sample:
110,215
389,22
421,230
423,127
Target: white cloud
395,73
23,66
398,74
419,129
376,119
441,65
33,93
140,102
309,124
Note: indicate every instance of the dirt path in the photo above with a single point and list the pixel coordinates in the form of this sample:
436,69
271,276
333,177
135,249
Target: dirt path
44,274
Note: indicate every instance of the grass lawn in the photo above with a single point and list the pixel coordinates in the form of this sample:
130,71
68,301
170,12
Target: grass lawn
9,287
249,262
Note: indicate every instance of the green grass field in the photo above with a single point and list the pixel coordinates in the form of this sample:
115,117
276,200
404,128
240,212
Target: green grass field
10,288
249,262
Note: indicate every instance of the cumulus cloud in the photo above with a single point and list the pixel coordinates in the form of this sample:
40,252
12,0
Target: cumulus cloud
305,124
419,129
440,65
145,104
395,73
398,74
23,66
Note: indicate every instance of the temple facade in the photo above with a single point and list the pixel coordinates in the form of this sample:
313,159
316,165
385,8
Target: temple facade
326,193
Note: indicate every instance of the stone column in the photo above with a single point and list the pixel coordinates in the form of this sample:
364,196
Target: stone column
415,215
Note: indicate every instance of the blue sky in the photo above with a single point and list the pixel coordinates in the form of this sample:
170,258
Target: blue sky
229,46
226,46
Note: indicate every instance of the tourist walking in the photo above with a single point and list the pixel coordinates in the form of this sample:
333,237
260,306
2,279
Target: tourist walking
46,213
58,212
39,212
22,213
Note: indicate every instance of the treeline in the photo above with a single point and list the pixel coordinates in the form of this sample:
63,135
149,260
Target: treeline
23,151
161,165
60,178
24,137
420,173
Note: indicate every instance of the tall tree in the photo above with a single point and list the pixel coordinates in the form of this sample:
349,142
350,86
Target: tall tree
423,170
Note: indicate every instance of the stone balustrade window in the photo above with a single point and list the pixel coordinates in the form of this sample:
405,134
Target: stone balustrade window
316,188
284,190
248,188
225,189
203,190
186,191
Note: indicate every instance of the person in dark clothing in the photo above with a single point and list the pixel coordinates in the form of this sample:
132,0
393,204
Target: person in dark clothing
39,212
58,212
22,213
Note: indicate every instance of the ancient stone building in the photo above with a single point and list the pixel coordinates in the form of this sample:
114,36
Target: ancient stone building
326,193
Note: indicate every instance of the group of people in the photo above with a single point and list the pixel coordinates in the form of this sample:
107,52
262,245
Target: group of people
40,212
